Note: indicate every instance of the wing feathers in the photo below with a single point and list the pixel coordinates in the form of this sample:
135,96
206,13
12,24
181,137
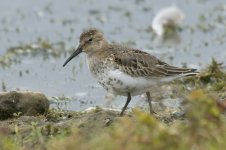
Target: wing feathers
139,63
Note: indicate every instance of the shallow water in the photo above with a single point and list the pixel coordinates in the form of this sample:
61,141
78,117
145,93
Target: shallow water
202,37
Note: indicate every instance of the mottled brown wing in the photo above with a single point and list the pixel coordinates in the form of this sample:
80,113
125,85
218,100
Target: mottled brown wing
138,63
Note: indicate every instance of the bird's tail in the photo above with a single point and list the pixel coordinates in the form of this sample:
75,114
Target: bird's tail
180,73
192,72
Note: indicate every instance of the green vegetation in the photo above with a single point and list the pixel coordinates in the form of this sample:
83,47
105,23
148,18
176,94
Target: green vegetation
214,78
204,128
42,46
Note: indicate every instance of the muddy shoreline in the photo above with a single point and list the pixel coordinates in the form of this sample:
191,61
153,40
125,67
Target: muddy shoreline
206,103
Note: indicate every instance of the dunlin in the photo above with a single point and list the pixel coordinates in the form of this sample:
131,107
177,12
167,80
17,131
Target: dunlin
122,70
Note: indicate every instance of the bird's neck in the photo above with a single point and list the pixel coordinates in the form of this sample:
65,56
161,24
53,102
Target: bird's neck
97,59
98,51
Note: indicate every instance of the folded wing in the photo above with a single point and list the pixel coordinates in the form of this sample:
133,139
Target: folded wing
138,63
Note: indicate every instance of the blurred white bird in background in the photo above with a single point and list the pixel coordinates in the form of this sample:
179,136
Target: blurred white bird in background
167,18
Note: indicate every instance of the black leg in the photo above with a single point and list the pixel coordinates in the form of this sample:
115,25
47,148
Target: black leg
149,102
125,106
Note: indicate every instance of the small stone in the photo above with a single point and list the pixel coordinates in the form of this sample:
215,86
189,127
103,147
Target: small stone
22,103
107,122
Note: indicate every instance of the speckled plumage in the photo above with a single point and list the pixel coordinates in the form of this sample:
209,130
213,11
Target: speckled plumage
122,70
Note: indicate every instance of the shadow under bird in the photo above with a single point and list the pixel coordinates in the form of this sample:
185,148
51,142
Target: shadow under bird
122,70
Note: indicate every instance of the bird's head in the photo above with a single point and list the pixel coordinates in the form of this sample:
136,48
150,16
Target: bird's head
90,42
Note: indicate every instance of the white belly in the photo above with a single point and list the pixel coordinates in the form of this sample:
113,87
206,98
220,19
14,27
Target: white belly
117,82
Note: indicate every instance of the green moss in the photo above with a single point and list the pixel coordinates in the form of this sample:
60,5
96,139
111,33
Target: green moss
202,130
42,46
7,143
213,79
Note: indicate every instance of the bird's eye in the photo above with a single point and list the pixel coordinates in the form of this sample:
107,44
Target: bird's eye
90,40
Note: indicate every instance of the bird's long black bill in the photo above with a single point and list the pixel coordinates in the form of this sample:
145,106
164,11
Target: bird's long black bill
78,51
